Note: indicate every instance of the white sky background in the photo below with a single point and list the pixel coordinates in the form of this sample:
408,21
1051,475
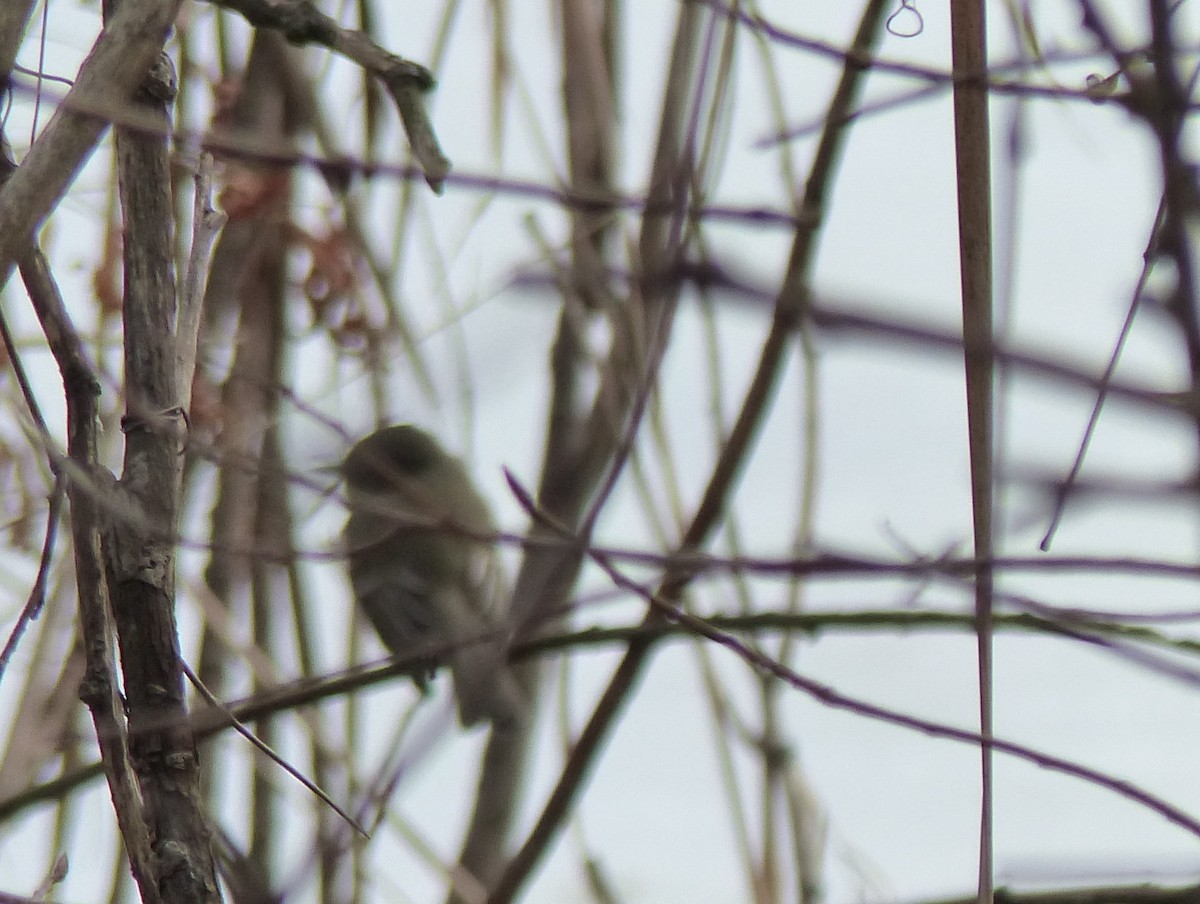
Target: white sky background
892,464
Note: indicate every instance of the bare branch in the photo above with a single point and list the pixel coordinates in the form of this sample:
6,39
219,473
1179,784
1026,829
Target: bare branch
122,55
407,82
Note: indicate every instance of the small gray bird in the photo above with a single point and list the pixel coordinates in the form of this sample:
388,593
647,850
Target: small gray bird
420,570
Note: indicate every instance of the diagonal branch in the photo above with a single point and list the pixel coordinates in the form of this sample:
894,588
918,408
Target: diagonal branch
789,308
407,82
121,57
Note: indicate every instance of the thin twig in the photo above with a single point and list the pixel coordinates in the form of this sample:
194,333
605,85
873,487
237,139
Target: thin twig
37,594
836,699
206,225
240,728
208,723
1148,257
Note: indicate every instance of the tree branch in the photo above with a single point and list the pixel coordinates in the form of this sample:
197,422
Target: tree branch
407,82
115,67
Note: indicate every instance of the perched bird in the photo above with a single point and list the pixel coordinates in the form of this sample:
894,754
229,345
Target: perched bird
422,569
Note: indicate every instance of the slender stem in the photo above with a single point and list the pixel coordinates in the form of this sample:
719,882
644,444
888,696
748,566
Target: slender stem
972,148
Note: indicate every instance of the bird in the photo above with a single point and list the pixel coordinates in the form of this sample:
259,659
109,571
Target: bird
424,571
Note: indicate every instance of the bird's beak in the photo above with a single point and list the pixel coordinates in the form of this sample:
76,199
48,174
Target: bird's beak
334,469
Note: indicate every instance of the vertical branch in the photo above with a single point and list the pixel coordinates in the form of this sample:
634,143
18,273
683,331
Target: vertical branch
780,775
98,688
246,282
249,282
789,308
271,536
1162,101
546,576
972,148
582,445
119,59
140,539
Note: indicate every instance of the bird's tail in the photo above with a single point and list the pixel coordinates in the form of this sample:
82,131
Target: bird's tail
484,686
